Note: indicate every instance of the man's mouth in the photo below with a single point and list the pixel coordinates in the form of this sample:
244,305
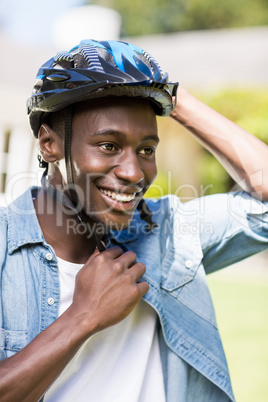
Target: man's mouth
120,197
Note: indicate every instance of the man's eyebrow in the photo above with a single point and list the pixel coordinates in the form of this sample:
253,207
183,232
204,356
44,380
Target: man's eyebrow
116,133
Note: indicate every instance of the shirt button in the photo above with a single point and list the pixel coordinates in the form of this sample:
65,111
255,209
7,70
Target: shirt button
188,263
49,256
50,301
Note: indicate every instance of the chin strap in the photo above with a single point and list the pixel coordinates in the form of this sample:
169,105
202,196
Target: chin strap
63,199
76,206
57,195
68,161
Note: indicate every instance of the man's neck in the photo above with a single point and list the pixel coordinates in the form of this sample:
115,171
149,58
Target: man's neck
71,240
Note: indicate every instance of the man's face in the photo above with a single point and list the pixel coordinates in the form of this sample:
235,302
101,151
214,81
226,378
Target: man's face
113,155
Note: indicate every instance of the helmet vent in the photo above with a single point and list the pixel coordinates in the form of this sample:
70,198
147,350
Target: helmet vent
107,56
152,61
63,56
92,57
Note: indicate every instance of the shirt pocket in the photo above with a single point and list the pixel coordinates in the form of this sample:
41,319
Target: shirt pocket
182,260
11,342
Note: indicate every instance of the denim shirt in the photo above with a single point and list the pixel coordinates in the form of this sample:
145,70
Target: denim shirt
191,239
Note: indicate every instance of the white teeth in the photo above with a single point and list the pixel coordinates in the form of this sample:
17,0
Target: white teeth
118,196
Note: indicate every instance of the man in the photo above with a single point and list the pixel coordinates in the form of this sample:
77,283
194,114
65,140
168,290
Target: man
103,297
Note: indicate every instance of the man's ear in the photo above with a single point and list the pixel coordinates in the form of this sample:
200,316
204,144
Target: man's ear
50,144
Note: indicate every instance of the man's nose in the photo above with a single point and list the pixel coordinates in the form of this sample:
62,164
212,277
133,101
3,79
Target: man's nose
129,169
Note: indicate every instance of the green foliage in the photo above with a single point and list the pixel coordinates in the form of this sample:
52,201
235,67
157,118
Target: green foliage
247,108
212,175
161,186
161,16
205,14
242,317
141,17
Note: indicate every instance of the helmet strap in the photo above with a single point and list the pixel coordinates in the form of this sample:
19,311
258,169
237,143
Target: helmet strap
68,163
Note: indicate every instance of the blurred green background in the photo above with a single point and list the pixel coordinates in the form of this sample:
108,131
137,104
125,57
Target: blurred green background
201,171
241,310
141,17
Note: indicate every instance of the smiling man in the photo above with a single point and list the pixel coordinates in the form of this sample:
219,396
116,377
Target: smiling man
103,295
113,163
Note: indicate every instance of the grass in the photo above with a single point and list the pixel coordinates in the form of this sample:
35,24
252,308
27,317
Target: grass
242,313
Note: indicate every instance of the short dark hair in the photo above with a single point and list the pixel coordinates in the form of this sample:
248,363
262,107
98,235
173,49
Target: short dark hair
55,120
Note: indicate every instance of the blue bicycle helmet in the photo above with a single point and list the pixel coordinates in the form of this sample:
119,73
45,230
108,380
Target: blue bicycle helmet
96,69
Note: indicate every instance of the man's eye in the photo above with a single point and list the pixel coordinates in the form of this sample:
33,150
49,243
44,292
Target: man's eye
147,151
108,147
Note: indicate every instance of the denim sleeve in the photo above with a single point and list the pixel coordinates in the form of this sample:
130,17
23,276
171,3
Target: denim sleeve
231,226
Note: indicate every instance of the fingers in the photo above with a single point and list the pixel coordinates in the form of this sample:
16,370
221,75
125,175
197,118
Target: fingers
93,255
137,271
127,259
143,288
111,253
111,284
115,259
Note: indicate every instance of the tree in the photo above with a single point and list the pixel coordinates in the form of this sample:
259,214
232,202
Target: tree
141,17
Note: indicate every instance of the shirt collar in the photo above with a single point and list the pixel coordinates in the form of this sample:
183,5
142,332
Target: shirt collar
23,225
131,233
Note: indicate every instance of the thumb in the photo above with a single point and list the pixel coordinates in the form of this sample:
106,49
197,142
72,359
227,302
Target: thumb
93,255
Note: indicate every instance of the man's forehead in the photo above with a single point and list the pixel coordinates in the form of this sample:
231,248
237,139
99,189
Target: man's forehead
112,102
116,115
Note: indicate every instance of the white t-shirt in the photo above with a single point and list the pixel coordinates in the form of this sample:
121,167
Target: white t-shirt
121,363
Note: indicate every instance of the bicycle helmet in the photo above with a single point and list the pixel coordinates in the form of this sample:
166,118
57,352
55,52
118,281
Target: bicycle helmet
96,69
